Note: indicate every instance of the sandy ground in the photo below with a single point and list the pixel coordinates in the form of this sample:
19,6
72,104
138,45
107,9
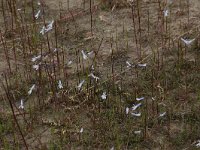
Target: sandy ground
3,65
109,25
65,3
54,5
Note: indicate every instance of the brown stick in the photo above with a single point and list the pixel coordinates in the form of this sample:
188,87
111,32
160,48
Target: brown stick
6,88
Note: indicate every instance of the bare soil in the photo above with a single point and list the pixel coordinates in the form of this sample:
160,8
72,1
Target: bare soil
116,31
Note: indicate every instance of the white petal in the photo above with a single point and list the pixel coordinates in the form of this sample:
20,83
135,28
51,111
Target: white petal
84,55
60,86
36,58
112,148
104,96
187,42
69,63
37,14
127,110
42,31
162,114
51,24
198,144
81,84
139,98
128,64
90,53
92,67
134,107
166,13
81,130
31,89
136,114
48,28
142,65
55,50
137,132
21,104
36,67
93,76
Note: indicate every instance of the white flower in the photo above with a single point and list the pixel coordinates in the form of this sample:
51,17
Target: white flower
36,67
55,50
162,114
84,55
69,63
21,106
39,3
136,114
36,58
187,42
90,53
49,26
112,148
198,144
166,12
137,132
37,14
134,107
92,67
31,89
93,76
42,31
81,130
139,98
80,84
104,96
127,110
142,65
128,64
60,86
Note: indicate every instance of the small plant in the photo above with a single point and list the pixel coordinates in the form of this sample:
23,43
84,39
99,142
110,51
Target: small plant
79,77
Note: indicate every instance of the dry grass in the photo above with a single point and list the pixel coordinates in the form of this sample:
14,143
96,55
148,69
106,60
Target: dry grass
101,76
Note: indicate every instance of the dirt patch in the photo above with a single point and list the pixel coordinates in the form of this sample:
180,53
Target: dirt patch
68,4
122,54
54,5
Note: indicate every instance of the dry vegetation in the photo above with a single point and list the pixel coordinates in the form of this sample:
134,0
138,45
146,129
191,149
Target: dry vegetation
85,74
